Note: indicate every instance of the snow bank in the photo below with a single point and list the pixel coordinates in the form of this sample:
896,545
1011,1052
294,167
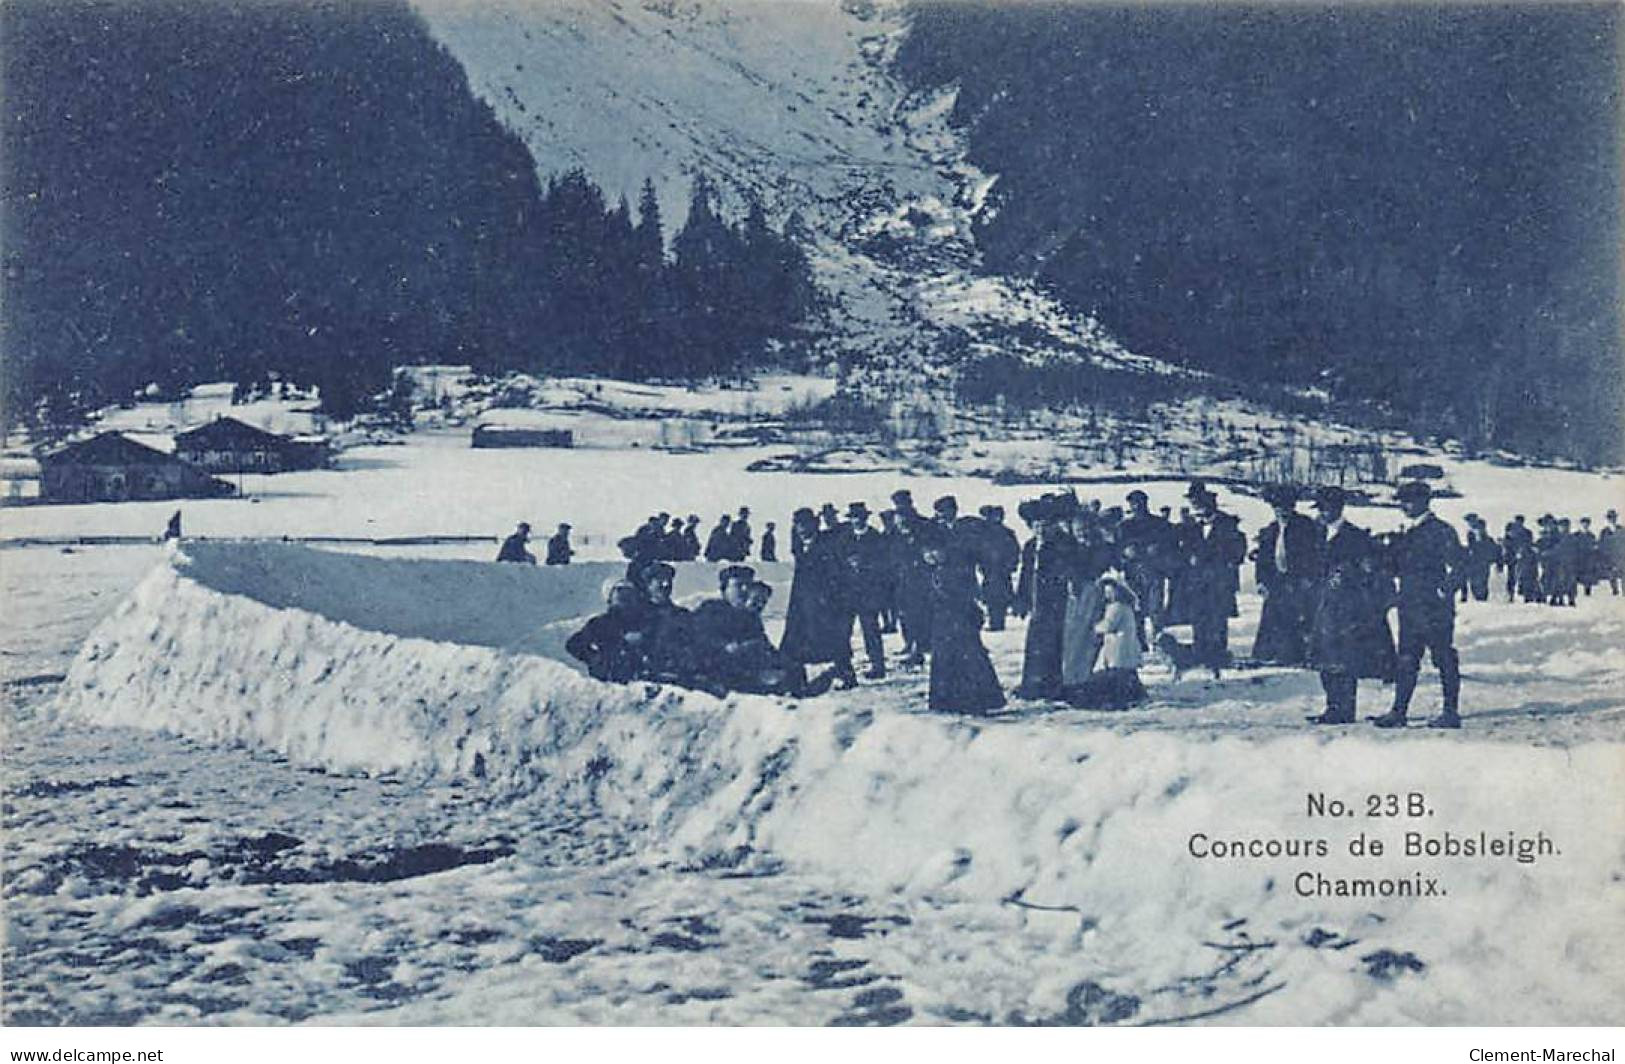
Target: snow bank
418,669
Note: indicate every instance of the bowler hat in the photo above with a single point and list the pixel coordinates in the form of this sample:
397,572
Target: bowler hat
859,507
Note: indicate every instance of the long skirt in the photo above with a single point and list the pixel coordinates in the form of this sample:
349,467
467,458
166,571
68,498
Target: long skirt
1041,654
1108,689
1283,625
962,677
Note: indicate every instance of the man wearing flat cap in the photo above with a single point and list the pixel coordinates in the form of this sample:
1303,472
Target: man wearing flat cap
513,548
1286,564
1428,557
559,551
663,631
1348,637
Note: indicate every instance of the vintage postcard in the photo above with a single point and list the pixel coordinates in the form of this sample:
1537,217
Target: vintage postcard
812,512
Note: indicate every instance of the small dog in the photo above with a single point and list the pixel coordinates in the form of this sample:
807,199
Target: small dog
1182,656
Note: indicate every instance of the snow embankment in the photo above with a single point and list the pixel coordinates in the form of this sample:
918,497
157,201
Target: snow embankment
422,670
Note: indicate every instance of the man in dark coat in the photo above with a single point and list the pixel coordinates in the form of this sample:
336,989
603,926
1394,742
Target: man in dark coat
1611,551
610,643
717,545
664,637
1349,637
1001,556
1048,567
559,551
1546,548
1146,544
770,543
1428,557
1187,534
1569,553
863,553
1218,550
818,620
671,542
730,649
513,548
740,539
1515,539
1589,571
688,549
913,580
1481,552
1286,566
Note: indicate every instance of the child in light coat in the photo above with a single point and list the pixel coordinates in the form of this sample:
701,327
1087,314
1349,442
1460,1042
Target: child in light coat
1115,683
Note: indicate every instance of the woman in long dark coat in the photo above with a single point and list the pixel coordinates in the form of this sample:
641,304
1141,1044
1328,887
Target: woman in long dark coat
1047,567
1349,639
962,677
818,620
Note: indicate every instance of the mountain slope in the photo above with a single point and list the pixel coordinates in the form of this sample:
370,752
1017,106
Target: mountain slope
790,103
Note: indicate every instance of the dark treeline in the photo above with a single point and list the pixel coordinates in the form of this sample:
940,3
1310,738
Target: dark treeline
1417,204
310,190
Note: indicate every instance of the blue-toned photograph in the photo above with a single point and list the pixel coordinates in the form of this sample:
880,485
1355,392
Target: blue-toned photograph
811,513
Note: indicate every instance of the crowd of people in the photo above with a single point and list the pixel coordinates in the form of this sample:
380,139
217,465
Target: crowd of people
1099,588
1551,566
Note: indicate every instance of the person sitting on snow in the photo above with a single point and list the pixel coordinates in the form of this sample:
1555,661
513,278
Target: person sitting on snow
610,644
513,548
666,628
731,648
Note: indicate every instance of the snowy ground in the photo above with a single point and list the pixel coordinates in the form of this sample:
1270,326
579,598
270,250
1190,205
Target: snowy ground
890,867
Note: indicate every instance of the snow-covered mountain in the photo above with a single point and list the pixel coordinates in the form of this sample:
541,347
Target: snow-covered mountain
790,102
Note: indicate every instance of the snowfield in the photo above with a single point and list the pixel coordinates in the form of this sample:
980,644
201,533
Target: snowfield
492,837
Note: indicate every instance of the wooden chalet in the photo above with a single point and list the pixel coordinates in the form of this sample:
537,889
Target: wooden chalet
227,445
111,467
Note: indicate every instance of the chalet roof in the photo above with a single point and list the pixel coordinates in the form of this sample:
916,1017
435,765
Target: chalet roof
227,432
110,448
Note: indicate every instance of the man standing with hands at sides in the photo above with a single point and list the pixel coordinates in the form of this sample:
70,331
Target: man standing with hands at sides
1348,632
1428,557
